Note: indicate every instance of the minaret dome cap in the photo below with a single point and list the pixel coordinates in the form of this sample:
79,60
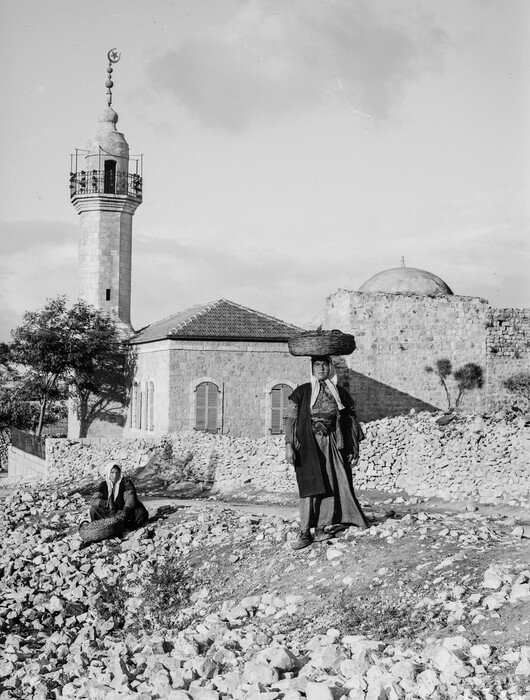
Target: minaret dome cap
108,115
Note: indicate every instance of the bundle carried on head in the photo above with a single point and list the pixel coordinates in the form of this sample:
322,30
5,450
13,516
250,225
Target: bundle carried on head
319,342
104,529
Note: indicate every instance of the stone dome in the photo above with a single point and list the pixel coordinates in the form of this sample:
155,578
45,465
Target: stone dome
405,280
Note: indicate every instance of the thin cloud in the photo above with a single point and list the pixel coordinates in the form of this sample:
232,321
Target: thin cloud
288,287
275,59
38,260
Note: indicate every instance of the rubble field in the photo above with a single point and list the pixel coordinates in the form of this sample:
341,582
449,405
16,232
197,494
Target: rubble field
209,601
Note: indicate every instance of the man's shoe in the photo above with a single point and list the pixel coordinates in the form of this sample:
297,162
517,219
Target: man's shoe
304,540
321,535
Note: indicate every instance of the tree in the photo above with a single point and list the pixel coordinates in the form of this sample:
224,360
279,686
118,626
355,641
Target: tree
519,384
443,369
39,355
18,407
77,352
468,377
101,367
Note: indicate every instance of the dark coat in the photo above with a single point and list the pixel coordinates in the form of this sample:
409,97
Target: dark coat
125,501
310,464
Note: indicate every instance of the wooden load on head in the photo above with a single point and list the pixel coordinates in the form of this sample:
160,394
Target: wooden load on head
321,342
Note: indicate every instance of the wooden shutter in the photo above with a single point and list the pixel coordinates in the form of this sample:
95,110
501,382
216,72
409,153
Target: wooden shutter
206,407
141,401
200,407
279,396
212,408
151,407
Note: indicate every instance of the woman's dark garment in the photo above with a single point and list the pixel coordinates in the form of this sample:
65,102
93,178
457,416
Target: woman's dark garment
323,438
126,504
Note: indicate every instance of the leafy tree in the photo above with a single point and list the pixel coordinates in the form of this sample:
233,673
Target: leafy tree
101,367
443,369
519,384
39,354
60,352
18,408
468,377
4,354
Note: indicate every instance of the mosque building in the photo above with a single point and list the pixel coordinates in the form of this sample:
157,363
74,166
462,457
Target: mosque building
224,368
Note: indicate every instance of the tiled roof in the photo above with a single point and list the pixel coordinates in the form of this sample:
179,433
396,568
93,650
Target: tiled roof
220,320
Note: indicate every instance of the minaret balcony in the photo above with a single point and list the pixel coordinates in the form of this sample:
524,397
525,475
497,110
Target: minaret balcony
105,182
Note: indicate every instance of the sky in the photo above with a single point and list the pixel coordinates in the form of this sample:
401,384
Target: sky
291,147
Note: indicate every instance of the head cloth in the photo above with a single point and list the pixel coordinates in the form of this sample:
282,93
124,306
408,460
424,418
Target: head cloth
330,383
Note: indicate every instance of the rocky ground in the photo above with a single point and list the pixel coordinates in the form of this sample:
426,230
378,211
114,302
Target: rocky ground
209,601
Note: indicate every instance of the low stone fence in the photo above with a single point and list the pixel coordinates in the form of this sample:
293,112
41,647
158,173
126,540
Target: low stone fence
24,465
481,459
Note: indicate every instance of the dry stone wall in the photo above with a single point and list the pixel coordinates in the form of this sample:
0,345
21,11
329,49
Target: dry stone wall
507,350
482,459
397,336
476,458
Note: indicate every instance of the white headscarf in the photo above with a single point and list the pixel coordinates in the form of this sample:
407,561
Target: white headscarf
112,488
331,385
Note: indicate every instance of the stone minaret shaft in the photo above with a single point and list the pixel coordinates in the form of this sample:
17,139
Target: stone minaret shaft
106,194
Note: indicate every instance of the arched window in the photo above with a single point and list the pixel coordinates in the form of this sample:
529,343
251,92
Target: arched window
279,398
132,404
150,406
139,407
206,407
136,406
145,405
109,181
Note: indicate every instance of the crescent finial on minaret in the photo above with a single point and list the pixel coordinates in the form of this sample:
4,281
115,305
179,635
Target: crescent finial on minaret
113,57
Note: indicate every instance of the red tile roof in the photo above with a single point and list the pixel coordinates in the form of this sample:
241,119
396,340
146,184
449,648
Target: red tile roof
218,320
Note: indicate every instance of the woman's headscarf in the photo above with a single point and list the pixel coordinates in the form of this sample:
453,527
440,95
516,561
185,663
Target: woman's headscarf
331,382
112,488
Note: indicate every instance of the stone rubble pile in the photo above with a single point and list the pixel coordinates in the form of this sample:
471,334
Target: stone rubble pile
81,622
485,459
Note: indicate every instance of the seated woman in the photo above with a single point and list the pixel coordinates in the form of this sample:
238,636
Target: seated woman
116,495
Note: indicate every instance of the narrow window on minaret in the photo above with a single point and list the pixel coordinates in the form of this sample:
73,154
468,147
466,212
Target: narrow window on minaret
109,182
107,295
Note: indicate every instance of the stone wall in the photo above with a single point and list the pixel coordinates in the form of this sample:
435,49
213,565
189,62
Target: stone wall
473,457
244,373
507,350
481,459
153,361
77,458
399,335
22,465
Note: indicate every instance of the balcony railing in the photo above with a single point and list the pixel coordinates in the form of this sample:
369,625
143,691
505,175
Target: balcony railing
99,182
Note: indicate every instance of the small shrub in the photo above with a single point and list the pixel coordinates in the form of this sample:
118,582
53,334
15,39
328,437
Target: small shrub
442,368
519,385
165,591
110,602
468,377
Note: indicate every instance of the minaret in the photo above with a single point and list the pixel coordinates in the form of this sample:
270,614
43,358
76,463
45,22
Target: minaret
106,189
